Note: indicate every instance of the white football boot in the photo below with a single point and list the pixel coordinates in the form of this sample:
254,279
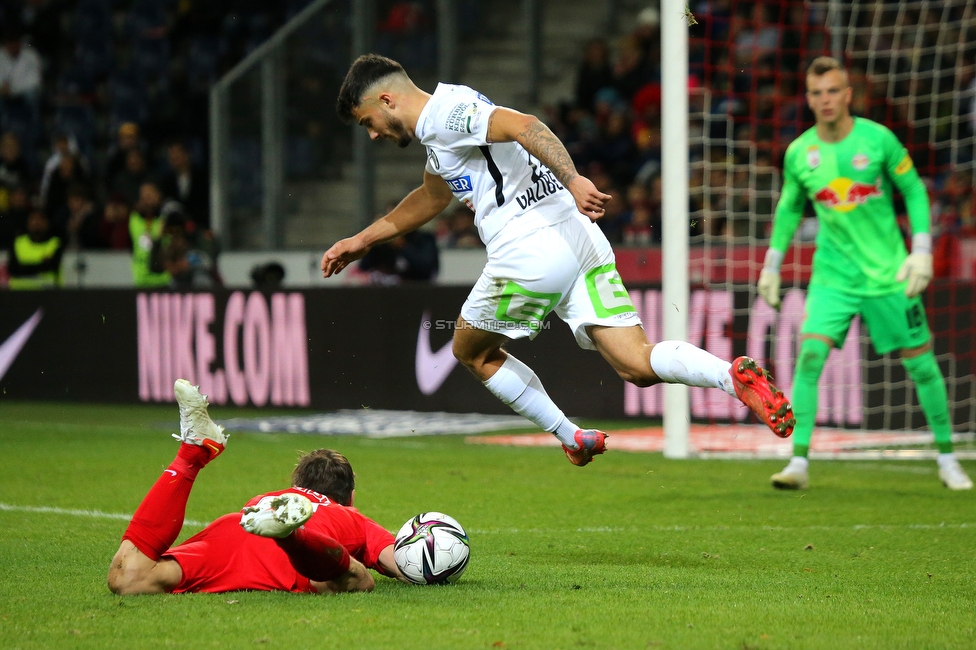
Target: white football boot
277,516
196,427
952,475
793,477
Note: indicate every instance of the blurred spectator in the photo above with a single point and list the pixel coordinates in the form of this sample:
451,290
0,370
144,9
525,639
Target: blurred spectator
84,221
146,231
460,231
648,36
268,277
129,181
954,211
174,254
34,260
41,22
114,226
612,222
55,201
595,72
127,140
412,257
631,70
405,35
953,218
63,144
648,157
188,185
13,220
20,70
757,37
13,169
615,150
639,231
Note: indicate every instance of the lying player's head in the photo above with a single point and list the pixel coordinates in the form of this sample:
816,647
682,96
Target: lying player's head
369,95
829,92
326,472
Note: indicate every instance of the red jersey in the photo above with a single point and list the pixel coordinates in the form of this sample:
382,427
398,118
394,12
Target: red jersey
224,557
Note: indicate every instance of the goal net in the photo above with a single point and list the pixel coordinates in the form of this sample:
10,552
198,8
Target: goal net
912,69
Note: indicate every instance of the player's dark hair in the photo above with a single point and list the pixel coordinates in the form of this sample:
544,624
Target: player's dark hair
363,73
327,472
824,64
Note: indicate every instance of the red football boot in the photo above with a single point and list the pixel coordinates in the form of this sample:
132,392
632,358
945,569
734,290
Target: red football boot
753,387
589,443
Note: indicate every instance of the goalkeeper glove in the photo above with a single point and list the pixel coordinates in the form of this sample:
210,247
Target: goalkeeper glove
768,286
917,267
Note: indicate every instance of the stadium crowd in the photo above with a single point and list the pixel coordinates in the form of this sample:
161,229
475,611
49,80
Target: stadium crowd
100,130
746,85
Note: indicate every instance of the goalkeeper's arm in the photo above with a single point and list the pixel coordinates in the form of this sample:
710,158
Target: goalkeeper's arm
917,267
789,211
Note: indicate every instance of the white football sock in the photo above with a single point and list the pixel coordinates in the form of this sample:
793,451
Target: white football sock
944,459
679,362
798,463
516,385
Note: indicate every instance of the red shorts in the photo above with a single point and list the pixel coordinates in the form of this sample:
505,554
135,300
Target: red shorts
223,557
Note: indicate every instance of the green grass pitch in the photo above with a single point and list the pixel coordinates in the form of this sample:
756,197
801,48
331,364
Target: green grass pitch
634,551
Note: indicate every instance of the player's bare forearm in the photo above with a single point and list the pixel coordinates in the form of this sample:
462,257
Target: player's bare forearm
539,140
419,207
389,566
416,209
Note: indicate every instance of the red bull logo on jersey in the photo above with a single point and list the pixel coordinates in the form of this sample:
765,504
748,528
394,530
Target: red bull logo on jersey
843,194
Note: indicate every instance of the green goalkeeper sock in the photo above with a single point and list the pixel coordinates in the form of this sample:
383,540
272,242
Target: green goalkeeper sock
809,365
930,386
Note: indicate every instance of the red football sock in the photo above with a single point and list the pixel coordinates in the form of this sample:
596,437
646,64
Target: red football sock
159,518
314,555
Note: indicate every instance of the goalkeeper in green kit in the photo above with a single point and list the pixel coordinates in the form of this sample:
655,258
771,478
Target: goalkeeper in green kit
846,166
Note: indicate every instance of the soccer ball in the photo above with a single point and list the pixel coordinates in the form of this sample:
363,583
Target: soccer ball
431,549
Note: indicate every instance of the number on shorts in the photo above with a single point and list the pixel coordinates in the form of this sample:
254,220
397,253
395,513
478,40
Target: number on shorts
915,316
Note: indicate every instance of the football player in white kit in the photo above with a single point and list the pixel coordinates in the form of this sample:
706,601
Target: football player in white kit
535,214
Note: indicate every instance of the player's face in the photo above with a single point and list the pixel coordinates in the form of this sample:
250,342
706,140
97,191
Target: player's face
380,123
829,96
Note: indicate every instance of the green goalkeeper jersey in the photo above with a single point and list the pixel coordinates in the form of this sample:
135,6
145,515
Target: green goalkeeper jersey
859,244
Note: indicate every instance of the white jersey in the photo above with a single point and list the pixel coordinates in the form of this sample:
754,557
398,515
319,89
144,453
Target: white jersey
502,183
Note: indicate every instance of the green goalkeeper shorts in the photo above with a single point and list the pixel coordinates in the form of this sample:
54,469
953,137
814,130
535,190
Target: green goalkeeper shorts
894,321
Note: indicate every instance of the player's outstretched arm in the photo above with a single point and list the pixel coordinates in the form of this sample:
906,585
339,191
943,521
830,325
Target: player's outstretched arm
506,125
419,207
389,566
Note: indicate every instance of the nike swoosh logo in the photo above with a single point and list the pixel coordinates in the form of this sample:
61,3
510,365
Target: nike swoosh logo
171,471
13,345
432,368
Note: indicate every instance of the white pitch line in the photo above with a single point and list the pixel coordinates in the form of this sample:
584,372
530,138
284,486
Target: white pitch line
94,514
98,514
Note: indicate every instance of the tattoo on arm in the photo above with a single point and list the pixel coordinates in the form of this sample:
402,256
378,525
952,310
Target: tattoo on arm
542,143
491,118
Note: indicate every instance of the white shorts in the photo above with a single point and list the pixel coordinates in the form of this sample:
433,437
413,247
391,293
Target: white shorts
567,267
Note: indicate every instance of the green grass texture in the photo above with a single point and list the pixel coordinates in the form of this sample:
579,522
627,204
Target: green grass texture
632,551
